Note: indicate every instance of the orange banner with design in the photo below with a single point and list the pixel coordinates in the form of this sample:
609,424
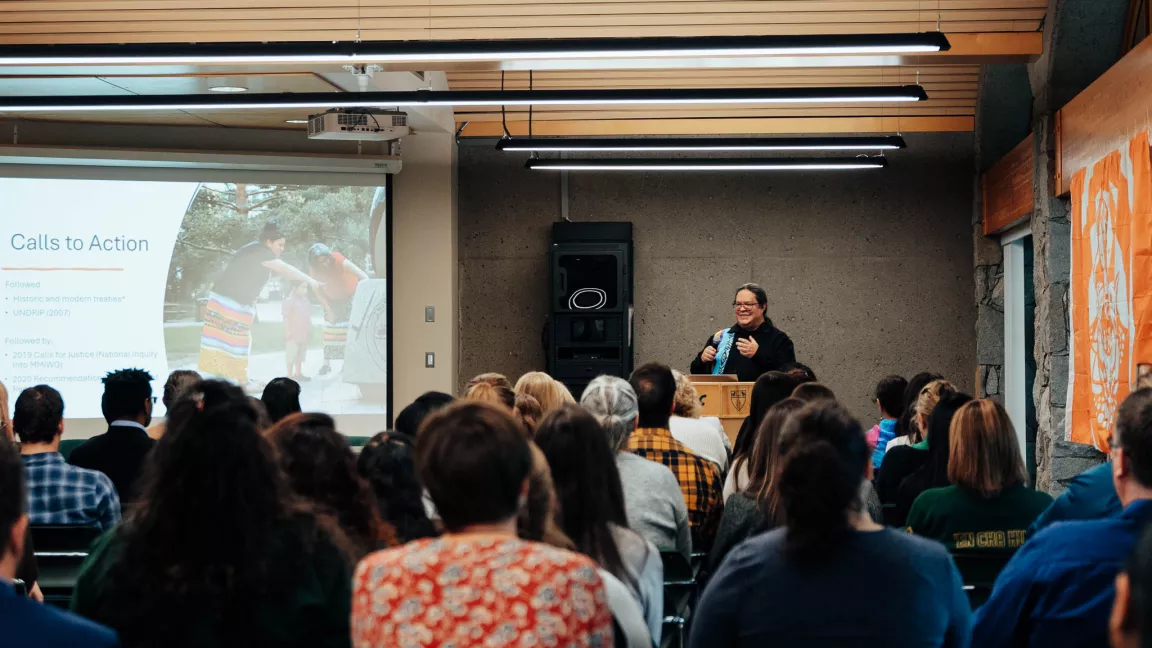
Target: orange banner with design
1111,291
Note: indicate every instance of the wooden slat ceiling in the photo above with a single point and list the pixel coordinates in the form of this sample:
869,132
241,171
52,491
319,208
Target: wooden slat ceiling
124,21
951,81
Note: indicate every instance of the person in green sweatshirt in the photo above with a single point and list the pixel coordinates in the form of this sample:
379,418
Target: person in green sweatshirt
989,505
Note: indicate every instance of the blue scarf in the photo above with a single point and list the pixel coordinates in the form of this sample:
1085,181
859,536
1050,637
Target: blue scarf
722,351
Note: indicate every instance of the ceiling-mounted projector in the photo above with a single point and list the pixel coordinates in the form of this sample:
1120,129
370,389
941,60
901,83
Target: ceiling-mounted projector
366,125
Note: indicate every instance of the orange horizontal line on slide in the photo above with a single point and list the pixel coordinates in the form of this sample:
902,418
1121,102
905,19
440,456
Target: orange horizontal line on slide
64,269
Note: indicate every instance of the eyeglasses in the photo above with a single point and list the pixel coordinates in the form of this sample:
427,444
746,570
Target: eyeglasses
737,304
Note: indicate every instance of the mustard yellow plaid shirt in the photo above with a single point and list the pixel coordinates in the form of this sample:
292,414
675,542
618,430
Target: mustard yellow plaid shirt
699,479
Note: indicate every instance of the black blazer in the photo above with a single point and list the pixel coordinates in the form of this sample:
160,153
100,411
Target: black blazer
119,453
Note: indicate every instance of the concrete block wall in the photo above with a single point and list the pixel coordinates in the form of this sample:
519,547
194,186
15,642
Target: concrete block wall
870,272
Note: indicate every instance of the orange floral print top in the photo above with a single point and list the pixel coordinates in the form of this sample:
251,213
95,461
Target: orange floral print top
478,590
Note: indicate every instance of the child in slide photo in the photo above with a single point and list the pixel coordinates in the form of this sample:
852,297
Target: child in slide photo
297,311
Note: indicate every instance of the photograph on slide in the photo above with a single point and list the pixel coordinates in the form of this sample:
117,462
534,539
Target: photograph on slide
272,280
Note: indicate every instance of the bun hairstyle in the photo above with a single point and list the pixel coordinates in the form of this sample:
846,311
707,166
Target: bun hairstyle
824,454
492,393
270,232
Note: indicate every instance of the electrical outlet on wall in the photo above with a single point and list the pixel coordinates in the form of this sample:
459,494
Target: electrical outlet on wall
429,313
429,360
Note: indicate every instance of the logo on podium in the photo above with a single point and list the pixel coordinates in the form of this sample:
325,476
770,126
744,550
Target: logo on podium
738,398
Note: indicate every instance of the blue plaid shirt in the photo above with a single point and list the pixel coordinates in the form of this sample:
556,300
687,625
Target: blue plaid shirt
59,493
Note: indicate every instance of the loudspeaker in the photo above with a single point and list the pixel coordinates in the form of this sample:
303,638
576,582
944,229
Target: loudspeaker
590,302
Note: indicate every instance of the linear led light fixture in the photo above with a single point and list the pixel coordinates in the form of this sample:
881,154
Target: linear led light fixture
329,100
710,164
346,53
702,144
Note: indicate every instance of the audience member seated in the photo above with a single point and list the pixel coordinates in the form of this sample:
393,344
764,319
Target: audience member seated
120,452
591,502
528,412
831,576
754,509
699,478
1091,495
771,388
178,382
901,461
492,378
889,397
799,371
281,398
989,506
1130,625
321,468
813,391
934,472
57,492
493,394
5,422
907,431
537,520
23,621
704,436
387,462
409,419
219,552
652,496
478,584
1058,588
550,393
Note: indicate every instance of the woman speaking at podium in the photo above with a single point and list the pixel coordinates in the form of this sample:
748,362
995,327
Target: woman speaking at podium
753,346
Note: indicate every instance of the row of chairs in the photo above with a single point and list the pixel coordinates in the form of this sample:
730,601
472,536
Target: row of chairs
681,590
60,551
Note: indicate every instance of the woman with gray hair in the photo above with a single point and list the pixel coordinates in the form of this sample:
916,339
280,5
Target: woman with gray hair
652,496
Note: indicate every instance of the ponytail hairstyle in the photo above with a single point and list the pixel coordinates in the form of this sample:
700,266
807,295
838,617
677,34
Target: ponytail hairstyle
493,394
825,455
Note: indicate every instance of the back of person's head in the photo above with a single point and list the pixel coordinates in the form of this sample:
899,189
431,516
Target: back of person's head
281,398
536,520
474,459
178,382
612,401
939,438
587,484
764,461
127,394
1130,625
929,396
13,501
811,392
39,415
410,418
984,456
770,388
263,421
5,422
388,463
799,371
550,393
492,378
529,412
321,468
824,457
213,501
687,402
890,395
916,384
655,391
1133,435
493,394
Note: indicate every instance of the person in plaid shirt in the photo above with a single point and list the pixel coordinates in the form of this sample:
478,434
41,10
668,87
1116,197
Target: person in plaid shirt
699,478
57,492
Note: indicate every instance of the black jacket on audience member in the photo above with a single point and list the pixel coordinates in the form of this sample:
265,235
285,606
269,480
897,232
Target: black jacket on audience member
118,453
899,463
776,350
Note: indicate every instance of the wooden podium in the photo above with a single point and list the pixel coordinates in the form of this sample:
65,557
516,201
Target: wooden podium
730,401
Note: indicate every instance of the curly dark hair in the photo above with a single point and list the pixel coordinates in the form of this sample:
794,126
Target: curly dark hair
388,463
216,528
321,468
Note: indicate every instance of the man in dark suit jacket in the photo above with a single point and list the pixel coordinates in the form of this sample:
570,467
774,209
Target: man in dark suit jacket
120,452
24,622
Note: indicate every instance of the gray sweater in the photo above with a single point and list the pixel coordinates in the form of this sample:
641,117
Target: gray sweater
654,503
